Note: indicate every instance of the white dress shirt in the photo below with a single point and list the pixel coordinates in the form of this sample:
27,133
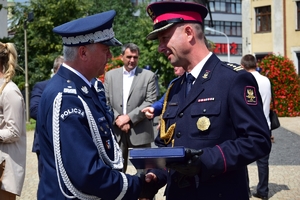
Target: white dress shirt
127,82
264,87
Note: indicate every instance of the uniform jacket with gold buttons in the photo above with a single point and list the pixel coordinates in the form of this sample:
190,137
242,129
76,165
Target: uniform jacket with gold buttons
222,115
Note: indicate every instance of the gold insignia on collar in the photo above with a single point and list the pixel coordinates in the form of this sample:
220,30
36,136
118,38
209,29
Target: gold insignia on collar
203,123
206,74
84,89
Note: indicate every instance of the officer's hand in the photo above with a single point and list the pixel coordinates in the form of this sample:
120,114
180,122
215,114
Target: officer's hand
149,186
149,112
192,164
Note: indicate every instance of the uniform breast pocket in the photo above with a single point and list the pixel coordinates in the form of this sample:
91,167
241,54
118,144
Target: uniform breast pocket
205,116
103,127
210,108
171,111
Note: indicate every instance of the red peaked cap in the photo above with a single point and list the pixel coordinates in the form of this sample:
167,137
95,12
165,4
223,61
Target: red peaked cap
166,14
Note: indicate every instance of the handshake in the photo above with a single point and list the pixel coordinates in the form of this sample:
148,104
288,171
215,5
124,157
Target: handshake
191,167
192,164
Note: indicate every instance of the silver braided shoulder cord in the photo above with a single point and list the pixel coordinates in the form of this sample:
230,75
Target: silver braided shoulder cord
58,159
117,163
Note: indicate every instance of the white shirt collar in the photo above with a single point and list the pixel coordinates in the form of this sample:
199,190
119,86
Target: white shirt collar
76,72
131,73
197,69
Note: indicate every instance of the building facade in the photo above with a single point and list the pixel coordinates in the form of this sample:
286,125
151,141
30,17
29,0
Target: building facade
225,29
272,26
3,18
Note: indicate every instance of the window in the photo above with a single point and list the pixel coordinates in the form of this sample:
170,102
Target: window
229,28
263,19
298,15
298,60
226,6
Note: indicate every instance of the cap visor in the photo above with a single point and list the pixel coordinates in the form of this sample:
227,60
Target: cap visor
112,42
154,34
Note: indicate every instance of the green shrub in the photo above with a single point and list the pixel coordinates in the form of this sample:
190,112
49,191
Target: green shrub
285,83
31,125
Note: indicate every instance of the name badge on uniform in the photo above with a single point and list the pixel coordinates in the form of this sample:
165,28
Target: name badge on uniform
203,123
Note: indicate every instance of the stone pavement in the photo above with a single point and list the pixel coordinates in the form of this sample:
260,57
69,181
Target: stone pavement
284,178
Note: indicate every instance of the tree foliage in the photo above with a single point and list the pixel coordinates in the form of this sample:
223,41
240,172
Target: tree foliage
131,24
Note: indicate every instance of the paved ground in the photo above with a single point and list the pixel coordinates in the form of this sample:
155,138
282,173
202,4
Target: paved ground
284,180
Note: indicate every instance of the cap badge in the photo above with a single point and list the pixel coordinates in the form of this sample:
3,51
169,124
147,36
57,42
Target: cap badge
84,89
151,13
203,123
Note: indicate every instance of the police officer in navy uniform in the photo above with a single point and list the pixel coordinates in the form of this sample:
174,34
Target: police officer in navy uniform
214,111
79,152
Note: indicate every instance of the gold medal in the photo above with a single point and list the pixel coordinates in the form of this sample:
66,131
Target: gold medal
203,123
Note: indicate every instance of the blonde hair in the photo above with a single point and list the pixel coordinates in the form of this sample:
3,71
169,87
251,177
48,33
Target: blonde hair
8,62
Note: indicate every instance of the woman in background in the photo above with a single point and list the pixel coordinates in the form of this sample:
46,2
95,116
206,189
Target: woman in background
12,127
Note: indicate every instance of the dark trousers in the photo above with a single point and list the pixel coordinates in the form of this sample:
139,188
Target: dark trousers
124,145
263,176
40,165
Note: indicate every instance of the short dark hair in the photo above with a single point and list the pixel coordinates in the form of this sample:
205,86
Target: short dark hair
133,47
57,62
248,61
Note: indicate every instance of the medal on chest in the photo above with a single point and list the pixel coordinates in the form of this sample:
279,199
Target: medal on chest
203,123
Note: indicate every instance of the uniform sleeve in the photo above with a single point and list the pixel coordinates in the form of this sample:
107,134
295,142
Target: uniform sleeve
13,115
36,94
158,106
252,133
86,170
136,115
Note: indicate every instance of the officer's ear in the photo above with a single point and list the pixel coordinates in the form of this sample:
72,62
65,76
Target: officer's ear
83,52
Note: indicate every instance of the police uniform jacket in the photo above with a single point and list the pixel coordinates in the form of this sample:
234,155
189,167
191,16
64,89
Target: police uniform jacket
223,115
35,97
88,172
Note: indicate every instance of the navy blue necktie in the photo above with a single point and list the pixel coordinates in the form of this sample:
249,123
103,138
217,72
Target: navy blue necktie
189,82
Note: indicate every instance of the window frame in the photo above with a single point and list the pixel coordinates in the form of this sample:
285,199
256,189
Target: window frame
226,6
297,15
263,20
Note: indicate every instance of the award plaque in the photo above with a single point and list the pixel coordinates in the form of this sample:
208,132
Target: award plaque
145,158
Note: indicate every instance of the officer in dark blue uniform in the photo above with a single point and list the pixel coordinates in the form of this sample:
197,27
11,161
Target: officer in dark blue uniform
79,153
214,111
99,87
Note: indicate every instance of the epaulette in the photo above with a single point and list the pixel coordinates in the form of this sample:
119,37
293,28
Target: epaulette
233,66
69,87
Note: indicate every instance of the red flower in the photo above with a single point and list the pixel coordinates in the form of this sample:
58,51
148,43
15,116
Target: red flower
115,62
285,83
